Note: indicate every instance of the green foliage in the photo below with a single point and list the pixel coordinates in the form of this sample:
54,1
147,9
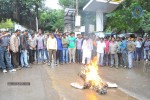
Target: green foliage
145,4
145,23
122,18
52,19
6,24
67,3
21,11
72,3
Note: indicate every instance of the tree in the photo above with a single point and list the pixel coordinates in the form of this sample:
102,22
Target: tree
145,23
52,19
21,11
6,24
122,18
72,3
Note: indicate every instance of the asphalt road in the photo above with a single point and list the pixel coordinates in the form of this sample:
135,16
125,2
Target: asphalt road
48,83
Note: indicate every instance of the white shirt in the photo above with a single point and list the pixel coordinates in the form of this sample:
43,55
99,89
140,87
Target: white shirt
138,44
100,46
87,48
51,43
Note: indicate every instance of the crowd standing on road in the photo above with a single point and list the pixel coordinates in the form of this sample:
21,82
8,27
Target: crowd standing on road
21,50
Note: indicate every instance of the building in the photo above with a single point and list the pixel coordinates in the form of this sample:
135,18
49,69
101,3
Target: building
101,7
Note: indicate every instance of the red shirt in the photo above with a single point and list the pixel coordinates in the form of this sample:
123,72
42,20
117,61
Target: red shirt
107,46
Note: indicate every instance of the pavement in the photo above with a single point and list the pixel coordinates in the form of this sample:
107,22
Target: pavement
47,83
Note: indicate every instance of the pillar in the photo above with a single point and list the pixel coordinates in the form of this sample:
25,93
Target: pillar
99,21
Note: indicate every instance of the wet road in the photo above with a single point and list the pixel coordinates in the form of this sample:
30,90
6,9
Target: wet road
54,83
133,81
62,76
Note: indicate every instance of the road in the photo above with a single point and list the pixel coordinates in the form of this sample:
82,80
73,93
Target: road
48,83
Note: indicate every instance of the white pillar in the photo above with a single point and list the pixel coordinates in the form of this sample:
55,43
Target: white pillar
99,21
37,26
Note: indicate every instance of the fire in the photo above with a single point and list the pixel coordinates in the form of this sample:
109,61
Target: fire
92,75
92,80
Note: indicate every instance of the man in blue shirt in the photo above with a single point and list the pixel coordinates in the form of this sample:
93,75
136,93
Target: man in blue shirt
59,52
4,53
123,47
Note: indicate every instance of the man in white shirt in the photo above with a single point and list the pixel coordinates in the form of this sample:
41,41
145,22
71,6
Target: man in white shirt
138,44
87,48
100,51
52,48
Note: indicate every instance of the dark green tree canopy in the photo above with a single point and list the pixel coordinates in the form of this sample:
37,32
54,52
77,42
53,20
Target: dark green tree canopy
122,18
51,20
21,11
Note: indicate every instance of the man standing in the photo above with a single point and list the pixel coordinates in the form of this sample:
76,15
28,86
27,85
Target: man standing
32,48
119,53
146,49
72,47
87,48
123,47
138,45
14,48
52,48
79,42
106,55
100,51
24,49
65,48
130,50
45,46
4,53
59,53
113,52
40,47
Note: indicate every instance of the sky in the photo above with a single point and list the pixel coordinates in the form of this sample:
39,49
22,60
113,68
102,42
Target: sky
53,4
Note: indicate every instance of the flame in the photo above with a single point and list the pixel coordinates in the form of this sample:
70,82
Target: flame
92,73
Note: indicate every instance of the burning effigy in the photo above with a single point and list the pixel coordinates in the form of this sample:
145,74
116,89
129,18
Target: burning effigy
89,74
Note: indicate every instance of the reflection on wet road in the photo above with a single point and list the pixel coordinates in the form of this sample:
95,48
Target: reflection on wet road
63,75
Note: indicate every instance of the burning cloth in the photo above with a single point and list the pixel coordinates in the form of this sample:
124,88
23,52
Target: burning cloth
89,74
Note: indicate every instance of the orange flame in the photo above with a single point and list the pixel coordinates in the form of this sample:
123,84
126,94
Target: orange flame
92,73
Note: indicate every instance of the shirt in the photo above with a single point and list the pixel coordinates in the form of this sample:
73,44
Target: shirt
147,45
100,46
138,44
45,40
14,43
107,46
51,43
40,42
79,43
87,48
119,47
130,46
113,47
32,43
23,42
123,46
65,42
59,44
4,41
72,42
87,45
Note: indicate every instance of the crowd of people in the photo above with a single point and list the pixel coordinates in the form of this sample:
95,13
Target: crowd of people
21,50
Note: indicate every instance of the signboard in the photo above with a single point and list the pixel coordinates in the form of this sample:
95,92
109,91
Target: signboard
78,21
82,28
